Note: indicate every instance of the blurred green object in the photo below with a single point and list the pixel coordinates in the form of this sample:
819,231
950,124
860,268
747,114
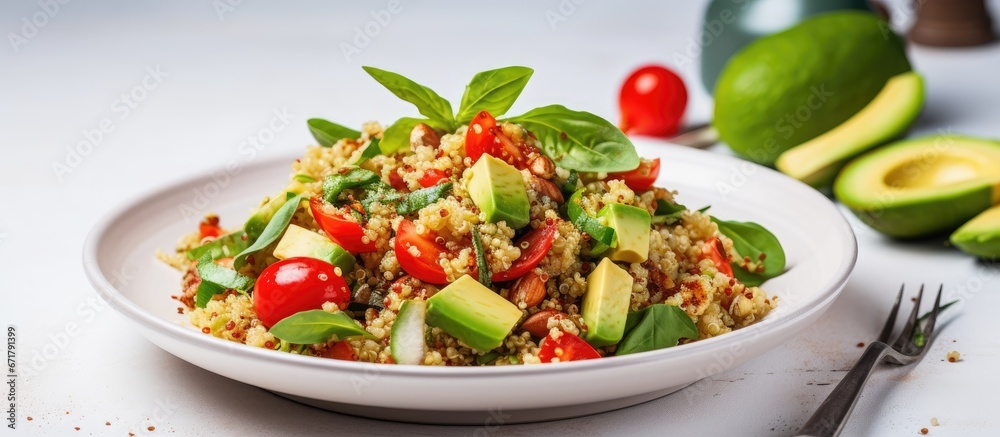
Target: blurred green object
732,24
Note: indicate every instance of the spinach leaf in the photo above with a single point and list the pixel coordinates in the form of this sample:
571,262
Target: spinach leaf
216,279
353,178
579,140
428,103
493,91
419,199
590,225
317,326
275,228
222,247
371,150
752,240
484,269
304,178
657,326
667,213
328,133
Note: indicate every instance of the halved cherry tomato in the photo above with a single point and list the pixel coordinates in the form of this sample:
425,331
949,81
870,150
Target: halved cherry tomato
209,227
432,177
339,227
297,284
424,266
396,181
717,253
485,136
340,350
642,178
652,102
567,347
539,242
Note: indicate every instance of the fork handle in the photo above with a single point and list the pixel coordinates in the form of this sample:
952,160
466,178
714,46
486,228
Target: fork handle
831,416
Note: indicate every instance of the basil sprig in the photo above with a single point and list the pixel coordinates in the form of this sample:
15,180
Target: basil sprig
419,199
275,228
354,177
484,269
493,91
371,150
428,102
328,133
753,240
216,279
222,247
657,326
580,140
317,326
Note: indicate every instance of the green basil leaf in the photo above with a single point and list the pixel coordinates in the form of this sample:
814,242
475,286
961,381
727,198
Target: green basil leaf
570,186
328,133
493,91
317,326
274,229
304,178
667,213
216,279
590,225
223,247
354,177
396,137
752,240
579,140
657,326
428,103
371,150
484,269
419,199
487,358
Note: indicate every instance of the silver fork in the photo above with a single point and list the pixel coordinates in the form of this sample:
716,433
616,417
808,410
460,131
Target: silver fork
831,416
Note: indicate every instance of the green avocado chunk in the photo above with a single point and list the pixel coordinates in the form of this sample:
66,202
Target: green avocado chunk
260,218
923,186
299,241
631,225
606,303
817,161
498,190
472,313
981,235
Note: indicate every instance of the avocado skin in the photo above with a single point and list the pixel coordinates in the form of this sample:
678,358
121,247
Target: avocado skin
980,236
835,62
925,219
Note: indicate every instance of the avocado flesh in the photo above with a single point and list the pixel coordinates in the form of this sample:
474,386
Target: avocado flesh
298,241
498,191
922,187
631,225
606,303
981,235
262,216
472,313
817,161
790,87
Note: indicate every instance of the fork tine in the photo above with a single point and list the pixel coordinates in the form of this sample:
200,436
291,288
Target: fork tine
907,335
929,325
891,322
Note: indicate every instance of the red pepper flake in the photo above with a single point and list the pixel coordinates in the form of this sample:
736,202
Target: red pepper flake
924,431
729,291
250,259
180,310
585,267
76,428
443,212
548,221
861,344
732,282
269,344
237,334
215,314
151,428
30,419
458,198
230,325
586,236
748,295
206,330
107,423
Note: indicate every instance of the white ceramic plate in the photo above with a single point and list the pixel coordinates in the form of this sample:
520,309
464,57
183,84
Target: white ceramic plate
821,250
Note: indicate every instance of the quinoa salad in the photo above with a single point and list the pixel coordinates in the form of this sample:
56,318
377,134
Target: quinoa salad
471,238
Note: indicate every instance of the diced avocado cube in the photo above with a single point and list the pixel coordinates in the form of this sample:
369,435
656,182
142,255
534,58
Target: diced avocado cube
631,225
472,313
606,303
299,241
498,190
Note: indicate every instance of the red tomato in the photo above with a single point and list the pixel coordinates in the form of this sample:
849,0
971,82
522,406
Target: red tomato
539,242
642,178
652,102
485,136
425,266
340,350
567,347
339,227
432,177
209,227
297,284
396,181
717,253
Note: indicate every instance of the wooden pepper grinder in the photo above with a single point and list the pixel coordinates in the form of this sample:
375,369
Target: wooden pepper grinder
952,23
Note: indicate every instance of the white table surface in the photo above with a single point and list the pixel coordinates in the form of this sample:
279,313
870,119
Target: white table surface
222,80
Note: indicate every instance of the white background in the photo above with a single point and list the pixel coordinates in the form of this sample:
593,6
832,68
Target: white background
225,75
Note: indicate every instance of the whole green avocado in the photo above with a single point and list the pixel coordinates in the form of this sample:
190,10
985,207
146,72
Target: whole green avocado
787,88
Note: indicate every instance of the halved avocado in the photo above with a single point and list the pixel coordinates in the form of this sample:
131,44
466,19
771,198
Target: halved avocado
817,161
923,186
981,235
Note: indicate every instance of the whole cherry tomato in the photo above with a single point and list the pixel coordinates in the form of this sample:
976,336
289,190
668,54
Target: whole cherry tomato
297,284
340,227
539,242
567,347
424,266
715,251
652,102
485,136
642,178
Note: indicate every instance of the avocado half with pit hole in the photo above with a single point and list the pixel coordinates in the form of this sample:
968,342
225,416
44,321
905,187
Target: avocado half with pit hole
924,186
889,115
